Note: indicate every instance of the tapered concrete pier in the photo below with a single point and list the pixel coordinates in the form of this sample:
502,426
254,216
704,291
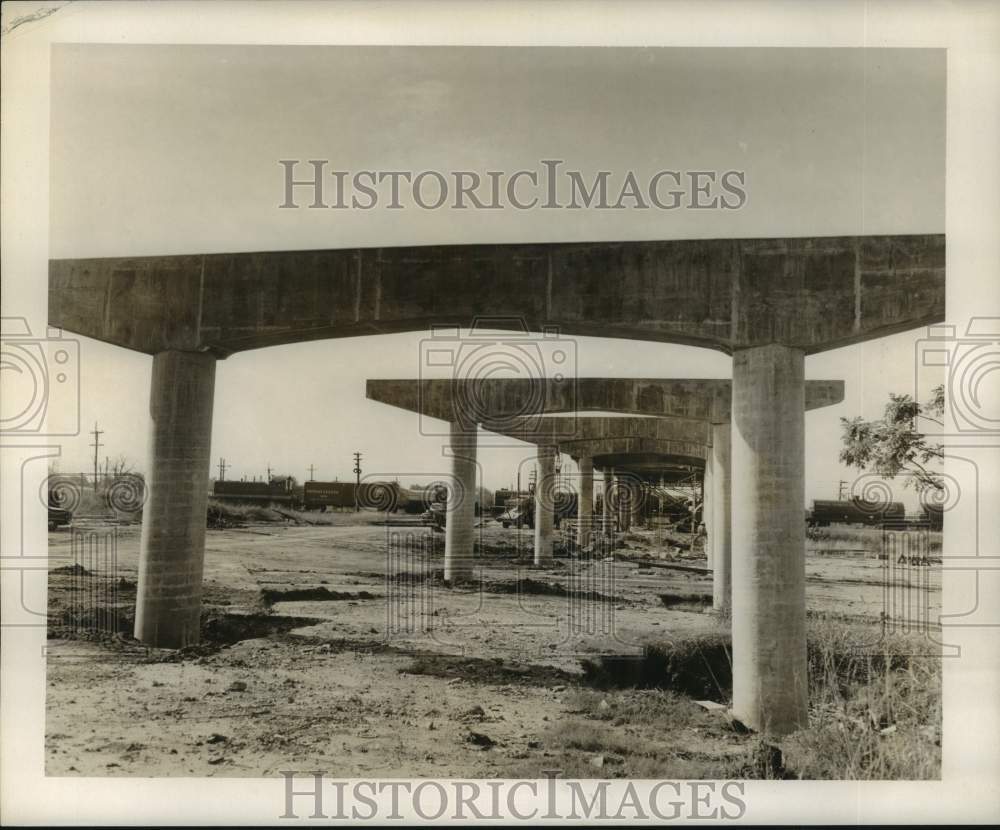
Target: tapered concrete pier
172,544
545,504
585,501
608,516
768,503
707,513
720,537
637,497
621,496
459,531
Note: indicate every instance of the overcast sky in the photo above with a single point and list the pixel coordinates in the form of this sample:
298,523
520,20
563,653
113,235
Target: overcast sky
175,149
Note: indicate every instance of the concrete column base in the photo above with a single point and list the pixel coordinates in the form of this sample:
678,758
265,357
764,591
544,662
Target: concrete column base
770,690
172,545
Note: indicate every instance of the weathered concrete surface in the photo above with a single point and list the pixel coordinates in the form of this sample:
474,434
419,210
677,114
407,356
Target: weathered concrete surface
545,505
645,443
651,467
721,533
606,511
172,547
707,516
459,529
768,532
567,432
637,496
813,293
498,403
585,501
620,497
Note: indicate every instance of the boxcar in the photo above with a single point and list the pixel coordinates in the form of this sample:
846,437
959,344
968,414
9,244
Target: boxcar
371,495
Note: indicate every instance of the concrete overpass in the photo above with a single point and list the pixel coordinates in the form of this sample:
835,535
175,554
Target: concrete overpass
690,414
614,441
768,302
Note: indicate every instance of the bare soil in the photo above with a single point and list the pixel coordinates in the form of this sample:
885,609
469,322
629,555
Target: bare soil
339,647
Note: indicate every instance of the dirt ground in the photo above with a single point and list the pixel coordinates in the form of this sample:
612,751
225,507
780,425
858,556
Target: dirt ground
337,647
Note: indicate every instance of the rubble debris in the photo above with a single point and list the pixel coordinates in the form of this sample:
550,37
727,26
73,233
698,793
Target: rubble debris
480,740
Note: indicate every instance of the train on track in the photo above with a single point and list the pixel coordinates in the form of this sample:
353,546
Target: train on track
871,514
387,496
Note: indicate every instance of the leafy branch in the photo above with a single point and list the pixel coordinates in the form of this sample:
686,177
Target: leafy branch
896,443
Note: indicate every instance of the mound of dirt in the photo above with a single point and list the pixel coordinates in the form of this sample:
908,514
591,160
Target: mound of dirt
699,667
478,670
686,602
320,594
76,569
537,587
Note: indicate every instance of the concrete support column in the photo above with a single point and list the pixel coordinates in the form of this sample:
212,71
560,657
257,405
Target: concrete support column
722,524
609,517
707,516
621,511
172,544
544,504
460,516
636,497
585,501
770,691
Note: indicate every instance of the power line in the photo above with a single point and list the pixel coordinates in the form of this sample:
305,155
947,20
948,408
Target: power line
97,433
357,475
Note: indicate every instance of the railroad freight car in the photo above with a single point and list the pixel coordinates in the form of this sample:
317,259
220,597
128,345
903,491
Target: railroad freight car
421,499
854,511
370,495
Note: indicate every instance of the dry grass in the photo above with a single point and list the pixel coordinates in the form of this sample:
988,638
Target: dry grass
867,539
875,710
875,707
632,733
234,513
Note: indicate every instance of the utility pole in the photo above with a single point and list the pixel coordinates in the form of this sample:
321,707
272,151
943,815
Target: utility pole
97,433
840,490
222,469
268,479
357,483
312,470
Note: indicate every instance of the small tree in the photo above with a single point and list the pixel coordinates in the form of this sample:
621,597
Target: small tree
897,443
